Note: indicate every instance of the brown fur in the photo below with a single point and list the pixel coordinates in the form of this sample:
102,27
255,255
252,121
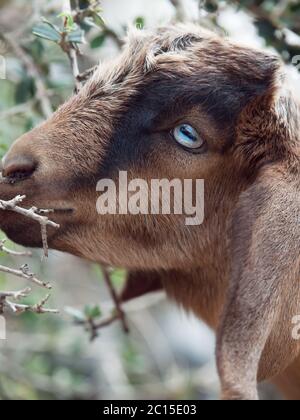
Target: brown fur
239,271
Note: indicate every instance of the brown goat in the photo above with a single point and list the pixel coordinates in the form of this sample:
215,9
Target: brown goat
239,270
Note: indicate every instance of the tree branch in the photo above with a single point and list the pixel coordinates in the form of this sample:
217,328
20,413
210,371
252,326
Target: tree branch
24,273
32,213
120,314
13,253
84,76
70,49
18,308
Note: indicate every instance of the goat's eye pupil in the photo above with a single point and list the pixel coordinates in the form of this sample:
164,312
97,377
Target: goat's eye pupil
186,131
187,136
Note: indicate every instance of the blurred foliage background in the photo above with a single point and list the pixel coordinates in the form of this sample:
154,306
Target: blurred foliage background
166,355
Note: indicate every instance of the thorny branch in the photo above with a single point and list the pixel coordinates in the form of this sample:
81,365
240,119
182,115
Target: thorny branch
13,253
73,51
18,308
79,16
92,327
24,272
82,77
32,213
70,49
119,315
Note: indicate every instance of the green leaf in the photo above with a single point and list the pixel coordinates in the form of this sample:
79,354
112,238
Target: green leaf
76,36
140,22
69,20
98,19
98,41
92,312
47,31
118,276
54,27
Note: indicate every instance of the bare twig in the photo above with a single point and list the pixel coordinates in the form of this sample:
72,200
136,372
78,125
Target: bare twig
106,322
113,35
32,213
18,308
70,49
4,303
16,295
117,314
120,314
24,273
94,327
72,54
13,253
84,76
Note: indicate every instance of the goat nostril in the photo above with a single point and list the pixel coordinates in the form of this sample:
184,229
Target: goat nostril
19,167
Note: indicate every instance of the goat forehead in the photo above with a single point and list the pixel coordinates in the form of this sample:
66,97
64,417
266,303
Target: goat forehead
185,61
145,50
179,50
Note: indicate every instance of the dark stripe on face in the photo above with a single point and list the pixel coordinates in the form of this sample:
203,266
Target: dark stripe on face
169,96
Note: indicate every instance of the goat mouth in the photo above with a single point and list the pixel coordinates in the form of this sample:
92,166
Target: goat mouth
67,210
63,211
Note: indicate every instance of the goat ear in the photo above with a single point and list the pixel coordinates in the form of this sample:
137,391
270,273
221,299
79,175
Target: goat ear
255,337
262,74
140,283
261,125
254,74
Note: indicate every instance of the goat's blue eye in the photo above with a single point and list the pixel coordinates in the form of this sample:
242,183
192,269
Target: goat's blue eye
187,136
